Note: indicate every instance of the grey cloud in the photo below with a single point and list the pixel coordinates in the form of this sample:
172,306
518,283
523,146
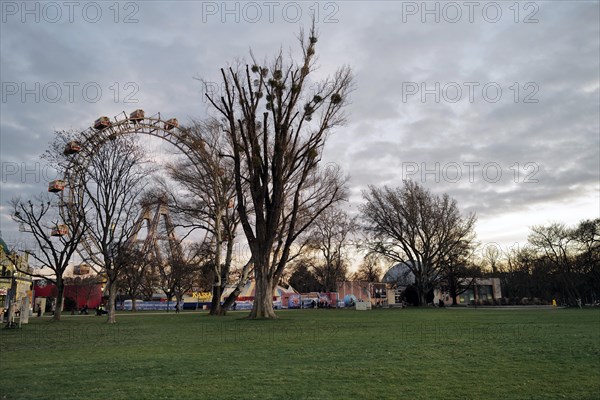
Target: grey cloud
171,44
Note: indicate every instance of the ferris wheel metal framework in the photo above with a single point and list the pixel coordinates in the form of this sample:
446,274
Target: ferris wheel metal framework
79,154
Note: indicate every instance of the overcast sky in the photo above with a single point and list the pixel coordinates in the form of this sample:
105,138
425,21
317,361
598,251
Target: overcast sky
495,104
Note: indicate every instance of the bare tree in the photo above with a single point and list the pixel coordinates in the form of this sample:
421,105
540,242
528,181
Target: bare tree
57,236
57,225
369,270
330,235
559,262
150,281
492,256
459,271
136,267
302,277
517,273
207,202
177,271
277,130
461,267
113,186
411,225
587,239
555,243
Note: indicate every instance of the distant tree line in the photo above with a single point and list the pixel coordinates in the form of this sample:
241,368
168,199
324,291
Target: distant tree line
558,262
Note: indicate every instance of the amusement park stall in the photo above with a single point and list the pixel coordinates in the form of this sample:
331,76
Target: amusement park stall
90,295
245,299
351,292
310,300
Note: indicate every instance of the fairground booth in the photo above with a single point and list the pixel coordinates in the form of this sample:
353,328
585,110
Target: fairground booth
202,300
364,294
76,296
82,289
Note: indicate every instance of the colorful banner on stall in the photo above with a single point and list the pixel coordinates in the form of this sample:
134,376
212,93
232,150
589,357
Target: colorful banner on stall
202,296
294,301
149,305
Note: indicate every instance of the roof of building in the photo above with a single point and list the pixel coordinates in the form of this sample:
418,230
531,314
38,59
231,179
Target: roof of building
4,246
400,274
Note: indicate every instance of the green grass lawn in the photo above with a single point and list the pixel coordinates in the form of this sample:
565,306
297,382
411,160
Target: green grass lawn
308,354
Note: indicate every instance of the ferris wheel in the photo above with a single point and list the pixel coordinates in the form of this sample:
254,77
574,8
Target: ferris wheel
79,153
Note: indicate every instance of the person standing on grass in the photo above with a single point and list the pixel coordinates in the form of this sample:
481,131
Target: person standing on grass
553,303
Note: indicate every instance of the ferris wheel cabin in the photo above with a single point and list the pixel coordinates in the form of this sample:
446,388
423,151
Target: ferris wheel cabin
172,123
60,230
56,186
137,116
72,147
81,269
102,123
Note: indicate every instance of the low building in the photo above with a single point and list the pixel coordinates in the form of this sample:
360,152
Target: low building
474,290
483,291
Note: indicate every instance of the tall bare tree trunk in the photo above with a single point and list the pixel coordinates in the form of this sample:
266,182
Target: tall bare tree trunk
215,305
453,290
422,300
263,300
422,294
60,290
112,297
133,304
